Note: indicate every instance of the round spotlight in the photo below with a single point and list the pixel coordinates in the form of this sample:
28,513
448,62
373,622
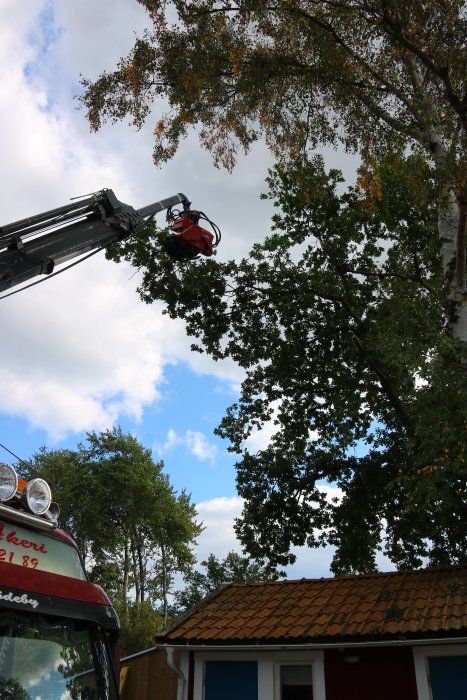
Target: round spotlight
54,510
38,496
8,482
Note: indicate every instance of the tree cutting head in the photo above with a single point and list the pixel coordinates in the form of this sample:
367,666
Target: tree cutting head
189,240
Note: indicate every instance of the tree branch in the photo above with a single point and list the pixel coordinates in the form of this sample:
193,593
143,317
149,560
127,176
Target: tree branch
417,279
356,57
386,385
461,247
373,363
441,72
391,121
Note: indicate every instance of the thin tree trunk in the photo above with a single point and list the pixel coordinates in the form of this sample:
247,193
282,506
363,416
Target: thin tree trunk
142,572
135,573
126,572
164,584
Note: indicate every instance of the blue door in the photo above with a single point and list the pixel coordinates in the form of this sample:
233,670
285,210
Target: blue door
231,680
448,677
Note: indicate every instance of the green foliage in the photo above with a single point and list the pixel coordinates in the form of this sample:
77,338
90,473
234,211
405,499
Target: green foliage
338,320
297,73
369,76
133,530
140,622
11,689
234,568
339,317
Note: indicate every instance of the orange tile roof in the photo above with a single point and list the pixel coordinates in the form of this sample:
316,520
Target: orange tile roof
404,604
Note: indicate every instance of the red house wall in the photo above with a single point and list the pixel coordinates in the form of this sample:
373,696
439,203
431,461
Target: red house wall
380,674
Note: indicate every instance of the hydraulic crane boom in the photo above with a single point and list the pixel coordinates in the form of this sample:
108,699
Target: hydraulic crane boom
34,246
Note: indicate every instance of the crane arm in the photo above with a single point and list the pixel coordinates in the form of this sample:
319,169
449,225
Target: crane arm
35,245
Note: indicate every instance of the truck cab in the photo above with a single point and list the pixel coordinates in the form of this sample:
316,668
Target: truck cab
58,631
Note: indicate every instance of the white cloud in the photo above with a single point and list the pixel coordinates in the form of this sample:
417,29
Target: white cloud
259,439
170,444
200,447
196,443
218,536
81,350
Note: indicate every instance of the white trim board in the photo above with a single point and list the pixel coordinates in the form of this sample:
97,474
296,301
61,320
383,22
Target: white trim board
266,663
421,654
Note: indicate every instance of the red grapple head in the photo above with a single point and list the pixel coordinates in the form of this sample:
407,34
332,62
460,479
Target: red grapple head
190,239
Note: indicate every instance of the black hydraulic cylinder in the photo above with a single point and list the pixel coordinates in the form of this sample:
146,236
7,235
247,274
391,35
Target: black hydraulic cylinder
168,203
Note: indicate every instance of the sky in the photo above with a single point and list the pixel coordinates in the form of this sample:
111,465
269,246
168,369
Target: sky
81,352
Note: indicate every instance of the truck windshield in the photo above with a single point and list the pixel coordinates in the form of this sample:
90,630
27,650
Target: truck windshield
53,659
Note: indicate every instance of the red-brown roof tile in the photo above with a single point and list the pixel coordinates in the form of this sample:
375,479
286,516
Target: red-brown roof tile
411,604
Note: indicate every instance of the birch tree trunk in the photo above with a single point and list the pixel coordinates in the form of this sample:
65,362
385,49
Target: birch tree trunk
451,230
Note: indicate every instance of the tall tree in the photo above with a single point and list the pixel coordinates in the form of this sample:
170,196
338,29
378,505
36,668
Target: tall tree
337,318
177,527
370,74
359,301
123,512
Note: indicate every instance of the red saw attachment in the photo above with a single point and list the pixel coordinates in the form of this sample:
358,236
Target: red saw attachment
190,240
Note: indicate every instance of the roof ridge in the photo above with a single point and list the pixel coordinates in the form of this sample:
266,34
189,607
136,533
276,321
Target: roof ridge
367,575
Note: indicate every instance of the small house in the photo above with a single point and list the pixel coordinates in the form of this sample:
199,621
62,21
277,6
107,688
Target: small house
379,636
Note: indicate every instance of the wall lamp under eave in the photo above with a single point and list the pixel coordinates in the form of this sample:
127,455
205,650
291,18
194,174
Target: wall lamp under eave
350,658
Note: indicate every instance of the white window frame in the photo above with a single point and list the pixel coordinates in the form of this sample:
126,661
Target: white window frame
292,662
421,655
267,662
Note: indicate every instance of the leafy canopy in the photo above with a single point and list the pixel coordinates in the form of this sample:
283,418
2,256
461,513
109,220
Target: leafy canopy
296,72
337,318
366,74
340,316
134,532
